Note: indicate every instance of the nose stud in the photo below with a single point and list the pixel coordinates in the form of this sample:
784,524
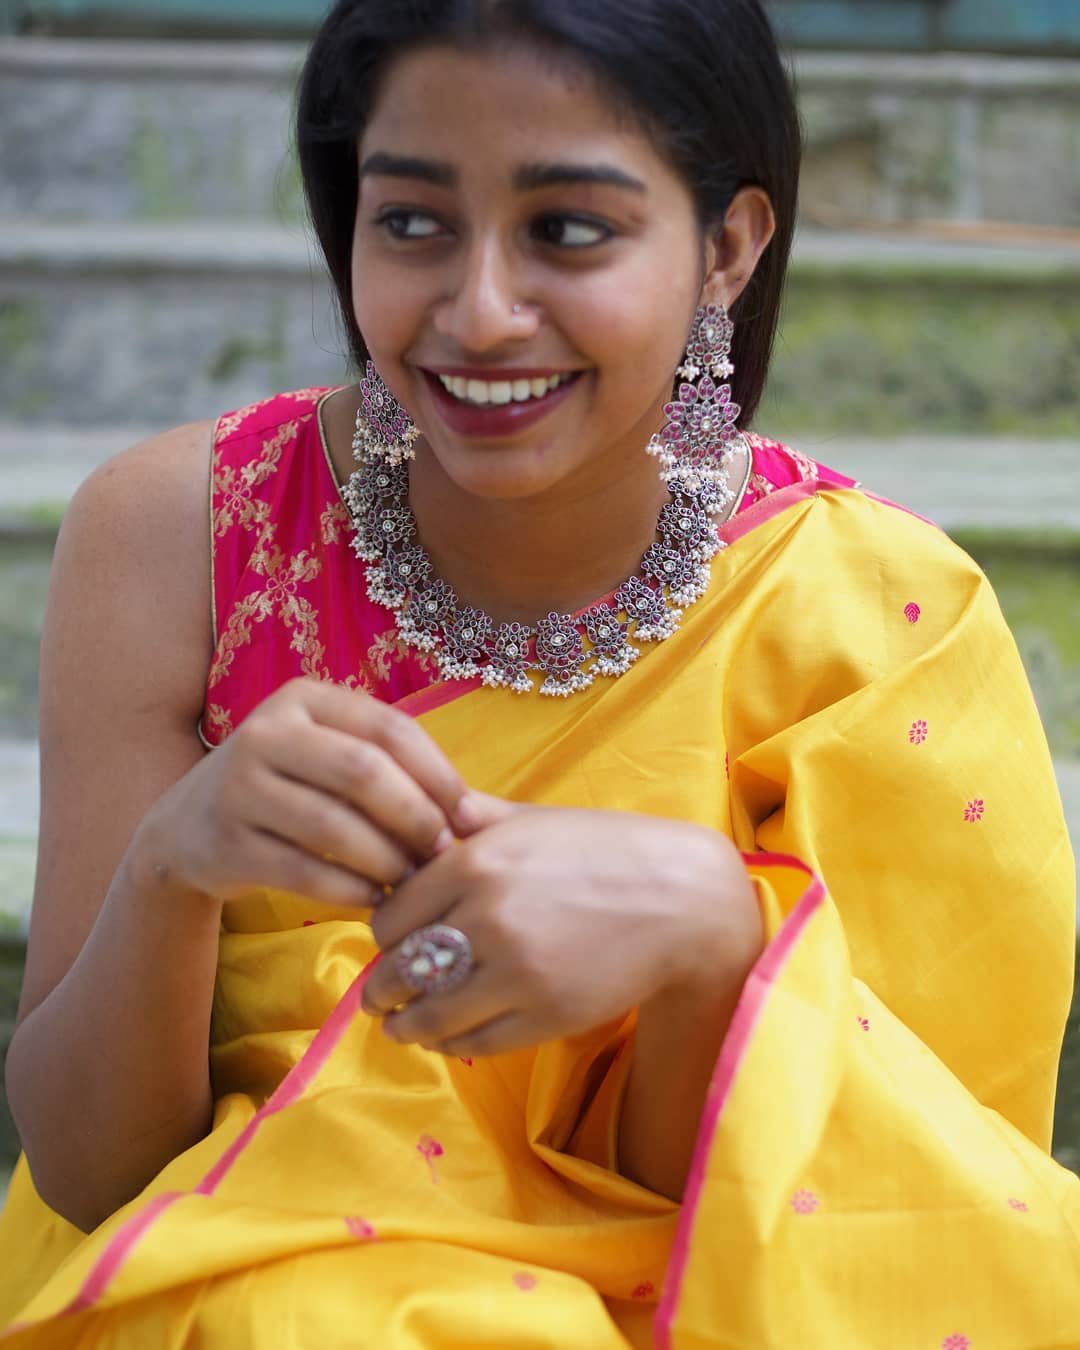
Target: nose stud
516,309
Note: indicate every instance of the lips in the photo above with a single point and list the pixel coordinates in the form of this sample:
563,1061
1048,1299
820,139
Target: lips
495,420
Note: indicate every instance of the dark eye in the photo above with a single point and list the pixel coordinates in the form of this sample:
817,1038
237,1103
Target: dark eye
403,224
570,231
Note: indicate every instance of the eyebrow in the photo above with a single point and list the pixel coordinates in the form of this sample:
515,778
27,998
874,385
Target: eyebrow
528,178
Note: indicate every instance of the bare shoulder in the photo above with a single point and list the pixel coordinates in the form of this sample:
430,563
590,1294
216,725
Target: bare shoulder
125,652
164,479
135,538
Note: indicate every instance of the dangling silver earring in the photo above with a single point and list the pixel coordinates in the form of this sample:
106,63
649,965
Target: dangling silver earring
385,433
697,440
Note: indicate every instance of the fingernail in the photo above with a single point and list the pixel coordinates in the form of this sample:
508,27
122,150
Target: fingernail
443,841
467,812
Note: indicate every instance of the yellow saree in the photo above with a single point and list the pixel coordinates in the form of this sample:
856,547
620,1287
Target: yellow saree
872,1167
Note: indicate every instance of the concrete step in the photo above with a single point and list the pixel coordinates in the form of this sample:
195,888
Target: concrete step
159,324
939,136
18,834
102,130
966,484
112,130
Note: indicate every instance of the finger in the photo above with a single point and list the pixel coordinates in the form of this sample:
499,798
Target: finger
388,988
277,863
425,897
363,774
430,1019
395,732
323,825
501,1036
477,811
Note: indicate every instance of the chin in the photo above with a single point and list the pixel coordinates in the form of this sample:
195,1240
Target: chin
502,472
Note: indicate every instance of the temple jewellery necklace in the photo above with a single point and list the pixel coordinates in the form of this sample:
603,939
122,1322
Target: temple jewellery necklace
706,465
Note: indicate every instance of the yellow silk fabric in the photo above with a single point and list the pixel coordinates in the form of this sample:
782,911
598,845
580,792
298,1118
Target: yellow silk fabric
872,1169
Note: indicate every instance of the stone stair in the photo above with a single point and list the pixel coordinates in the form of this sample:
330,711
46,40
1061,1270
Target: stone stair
148,192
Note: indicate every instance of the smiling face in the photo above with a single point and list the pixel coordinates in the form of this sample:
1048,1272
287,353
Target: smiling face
526,266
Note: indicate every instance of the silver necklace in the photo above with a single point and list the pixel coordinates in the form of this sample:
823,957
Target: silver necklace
567,652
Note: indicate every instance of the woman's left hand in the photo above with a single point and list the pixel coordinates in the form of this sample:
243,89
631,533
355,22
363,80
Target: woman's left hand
574,917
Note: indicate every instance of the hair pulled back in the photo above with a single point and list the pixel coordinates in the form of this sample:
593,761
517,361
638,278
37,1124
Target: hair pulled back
703,77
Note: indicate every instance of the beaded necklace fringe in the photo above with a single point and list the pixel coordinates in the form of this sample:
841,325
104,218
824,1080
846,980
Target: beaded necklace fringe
568,652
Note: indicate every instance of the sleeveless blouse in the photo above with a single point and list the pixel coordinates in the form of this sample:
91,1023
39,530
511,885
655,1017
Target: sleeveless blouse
289,595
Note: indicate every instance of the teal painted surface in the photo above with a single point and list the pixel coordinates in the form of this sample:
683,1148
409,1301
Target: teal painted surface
143,15
1045,22
293,12
1043,25
855,23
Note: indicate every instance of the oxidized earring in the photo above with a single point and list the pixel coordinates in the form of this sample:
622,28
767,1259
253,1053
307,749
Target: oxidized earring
384,430
700,434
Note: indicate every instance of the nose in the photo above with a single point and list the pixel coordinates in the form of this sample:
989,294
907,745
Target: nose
484,309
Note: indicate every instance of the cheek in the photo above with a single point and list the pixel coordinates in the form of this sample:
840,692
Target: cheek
634,329
385,309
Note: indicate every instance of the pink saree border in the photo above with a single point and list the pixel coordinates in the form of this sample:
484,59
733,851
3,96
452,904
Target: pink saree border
438,695
746,522
759,985
299,1078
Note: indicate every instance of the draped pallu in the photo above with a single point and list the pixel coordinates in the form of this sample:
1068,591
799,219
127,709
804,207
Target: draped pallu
872,1163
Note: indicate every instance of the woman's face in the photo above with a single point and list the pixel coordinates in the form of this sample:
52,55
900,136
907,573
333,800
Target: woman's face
513,231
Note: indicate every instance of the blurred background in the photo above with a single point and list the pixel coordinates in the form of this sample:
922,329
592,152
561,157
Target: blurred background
155,268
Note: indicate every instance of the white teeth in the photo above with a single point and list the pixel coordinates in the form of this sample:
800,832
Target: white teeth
498,392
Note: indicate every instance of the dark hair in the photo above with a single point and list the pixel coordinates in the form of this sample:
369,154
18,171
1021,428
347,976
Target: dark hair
703,77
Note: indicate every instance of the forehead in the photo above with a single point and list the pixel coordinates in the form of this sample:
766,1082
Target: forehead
503,102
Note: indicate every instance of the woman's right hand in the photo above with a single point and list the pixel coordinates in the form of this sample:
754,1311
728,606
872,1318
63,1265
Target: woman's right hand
321,791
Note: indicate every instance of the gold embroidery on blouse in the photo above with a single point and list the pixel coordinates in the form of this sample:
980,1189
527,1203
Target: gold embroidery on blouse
762,485
333,522
389,648
237,633
808,470
219,720
233,488
362,680
233,421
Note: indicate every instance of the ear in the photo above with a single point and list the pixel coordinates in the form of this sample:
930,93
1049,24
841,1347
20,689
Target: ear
733,251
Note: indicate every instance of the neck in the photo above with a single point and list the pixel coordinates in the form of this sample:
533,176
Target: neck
520,559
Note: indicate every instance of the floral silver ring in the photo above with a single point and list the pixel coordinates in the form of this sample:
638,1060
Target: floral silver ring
435,959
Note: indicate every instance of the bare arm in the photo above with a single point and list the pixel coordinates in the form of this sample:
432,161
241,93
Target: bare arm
113,1021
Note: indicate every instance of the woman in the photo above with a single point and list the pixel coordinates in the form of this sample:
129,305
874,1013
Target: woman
721,989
